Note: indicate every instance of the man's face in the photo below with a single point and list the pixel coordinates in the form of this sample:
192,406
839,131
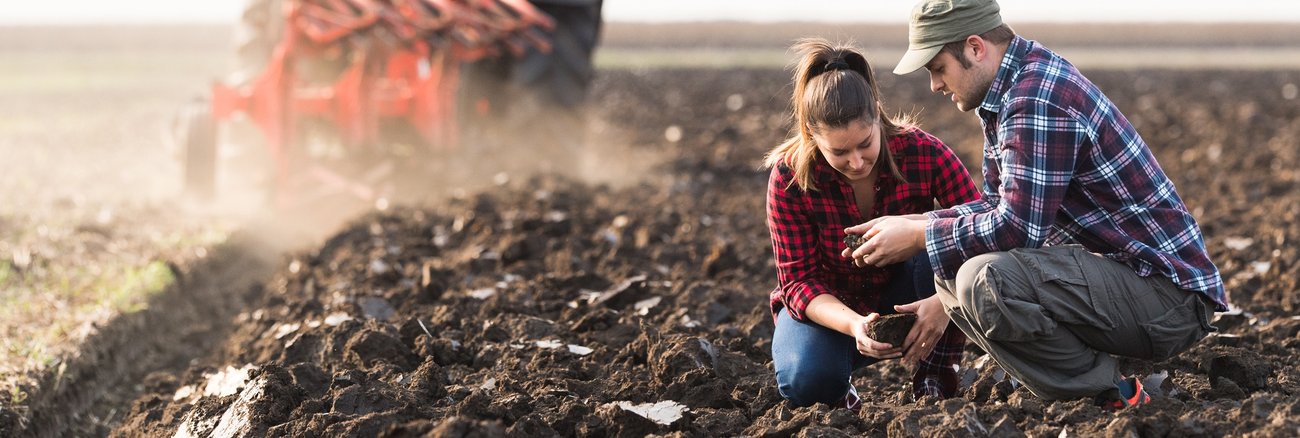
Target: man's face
965,84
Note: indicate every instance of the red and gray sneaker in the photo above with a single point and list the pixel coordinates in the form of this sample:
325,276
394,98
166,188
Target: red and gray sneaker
851,401
1127,392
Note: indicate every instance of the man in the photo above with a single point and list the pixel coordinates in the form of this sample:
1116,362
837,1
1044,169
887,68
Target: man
1080,247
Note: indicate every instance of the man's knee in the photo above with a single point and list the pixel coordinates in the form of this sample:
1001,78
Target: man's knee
805,381
973,279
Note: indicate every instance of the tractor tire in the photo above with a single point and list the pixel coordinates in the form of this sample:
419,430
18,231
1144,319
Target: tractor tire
537,84
198,133
564,75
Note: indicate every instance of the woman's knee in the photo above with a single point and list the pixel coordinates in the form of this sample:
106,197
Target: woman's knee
806,381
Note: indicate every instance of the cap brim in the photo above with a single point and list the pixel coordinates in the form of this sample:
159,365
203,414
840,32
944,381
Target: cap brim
916,58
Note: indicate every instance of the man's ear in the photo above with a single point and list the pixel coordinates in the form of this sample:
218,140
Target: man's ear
978,47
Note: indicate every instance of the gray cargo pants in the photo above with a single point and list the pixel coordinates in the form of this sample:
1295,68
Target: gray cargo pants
1052,317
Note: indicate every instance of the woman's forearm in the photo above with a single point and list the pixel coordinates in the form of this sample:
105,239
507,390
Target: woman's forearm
828,311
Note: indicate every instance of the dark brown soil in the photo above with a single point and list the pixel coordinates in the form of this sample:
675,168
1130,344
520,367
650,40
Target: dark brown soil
853,241
549,307
891,329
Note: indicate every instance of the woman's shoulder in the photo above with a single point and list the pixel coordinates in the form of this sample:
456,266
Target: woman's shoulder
781,175
781,170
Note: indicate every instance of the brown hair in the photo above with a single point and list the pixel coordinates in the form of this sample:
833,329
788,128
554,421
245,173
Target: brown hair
1000,35
833,86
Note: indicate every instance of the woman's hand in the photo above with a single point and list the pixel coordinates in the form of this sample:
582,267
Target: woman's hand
930,324
869,347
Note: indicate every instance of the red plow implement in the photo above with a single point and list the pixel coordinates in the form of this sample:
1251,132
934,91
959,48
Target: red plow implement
397,61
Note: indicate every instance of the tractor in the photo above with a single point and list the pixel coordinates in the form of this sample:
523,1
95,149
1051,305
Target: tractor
340,91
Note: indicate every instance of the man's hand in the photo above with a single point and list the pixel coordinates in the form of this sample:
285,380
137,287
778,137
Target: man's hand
930,324
869,347
889,240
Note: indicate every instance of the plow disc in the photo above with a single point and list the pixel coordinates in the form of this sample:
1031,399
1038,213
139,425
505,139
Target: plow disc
392,63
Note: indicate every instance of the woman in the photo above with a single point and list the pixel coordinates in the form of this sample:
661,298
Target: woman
847,164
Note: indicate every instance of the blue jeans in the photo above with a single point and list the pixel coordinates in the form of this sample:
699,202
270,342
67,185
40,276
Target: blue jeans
813,363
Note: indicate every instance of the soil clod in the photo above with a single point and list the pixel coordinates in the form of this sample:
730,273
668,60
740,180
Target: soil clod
891,329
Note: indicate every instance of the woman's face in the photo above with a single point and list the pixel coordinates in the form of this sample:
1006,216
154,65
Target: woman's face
851,149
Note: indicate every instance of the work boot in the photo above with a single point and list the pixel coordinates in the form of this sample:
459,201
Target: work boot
1126,393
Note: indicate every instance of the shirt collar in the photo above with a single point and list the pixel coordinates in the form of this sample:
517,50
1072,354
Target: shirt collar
1016,51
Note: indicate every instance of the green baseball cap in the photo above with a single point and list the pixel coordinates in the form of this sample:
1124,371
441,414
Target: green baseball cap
938,22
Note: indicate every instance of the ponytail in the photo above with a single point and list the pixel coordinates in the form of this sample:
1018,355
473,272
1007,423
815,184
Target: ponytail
833,86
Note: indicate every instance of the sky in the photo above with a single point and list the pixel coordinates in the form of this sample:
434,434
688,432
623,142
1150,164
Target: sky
219,11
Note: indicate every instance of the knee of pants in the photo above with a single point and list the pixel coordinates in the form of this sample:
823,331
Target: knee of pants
972,280
805,382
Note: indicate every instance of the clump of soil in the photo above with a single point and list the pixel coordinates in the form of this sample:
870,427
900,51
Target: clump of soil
891,329
853,241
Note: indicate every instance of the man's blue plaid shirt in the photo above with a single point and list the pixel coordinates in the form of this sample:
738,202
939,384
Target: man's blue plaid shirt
1062,165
